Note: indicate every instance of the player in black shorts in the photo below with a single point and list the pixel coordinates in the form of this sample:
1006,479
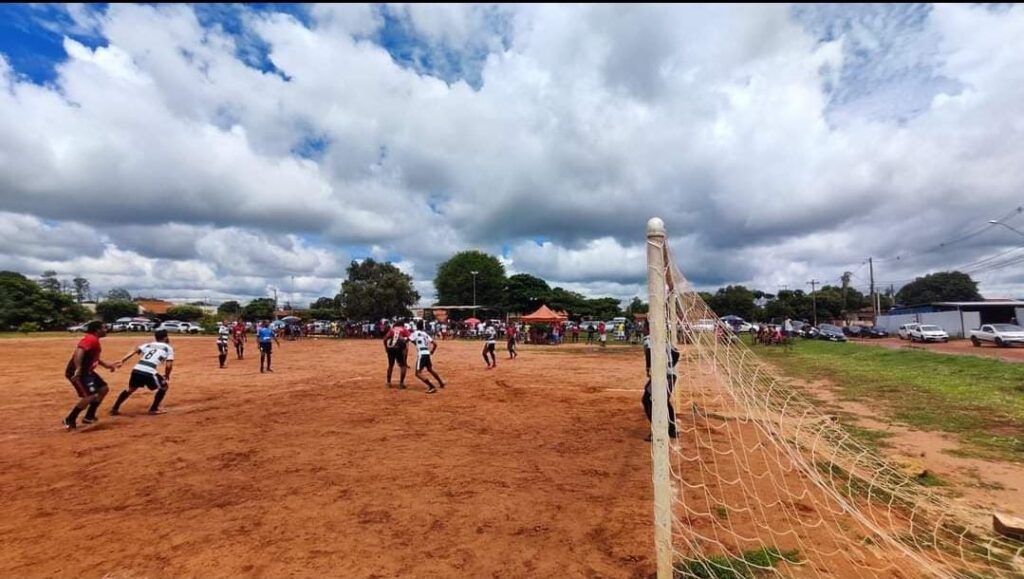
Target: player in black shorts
490,359
81,372
145,373
396,345
647,399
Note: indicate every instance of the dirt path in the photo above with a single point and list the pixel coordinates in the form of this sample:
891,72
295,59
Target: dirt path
958,347
984,485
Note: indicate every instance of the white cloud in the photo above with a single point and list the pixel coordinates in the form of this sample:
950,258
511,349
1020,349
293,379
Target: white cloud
723,120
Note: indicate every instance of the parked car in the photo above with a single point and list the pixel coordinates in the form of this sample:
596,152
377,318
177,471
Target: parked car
852,331
174,326
904,331
928,333
1001,335
78,328
140,326
831,333
873,332
705,326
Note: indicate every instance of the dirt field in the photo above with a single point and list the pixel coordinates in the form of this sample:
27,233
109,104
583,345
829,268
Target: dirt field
537,468
961,347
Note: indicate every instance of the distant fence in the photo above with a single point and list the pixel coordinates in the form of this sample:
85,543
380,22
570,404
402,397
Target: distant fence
956,324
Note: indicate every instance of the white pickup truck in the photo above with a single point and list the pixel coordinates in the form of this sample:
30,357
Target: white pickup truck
999,334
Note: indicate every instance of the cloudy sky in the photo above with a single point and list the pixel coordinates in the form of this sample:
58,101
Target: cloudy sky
219,152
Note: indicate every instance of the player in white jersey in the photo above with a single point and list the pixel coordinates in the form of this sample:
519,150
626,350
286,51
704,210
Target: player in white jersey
223,334
490,332
425,347
145,373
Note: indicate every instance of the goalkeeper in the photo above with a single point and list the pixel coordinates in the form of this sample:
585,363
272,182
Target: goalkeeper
671,375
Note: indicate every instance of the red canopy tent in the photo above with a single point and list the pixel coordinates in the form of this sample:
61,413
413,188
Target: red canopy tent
544,315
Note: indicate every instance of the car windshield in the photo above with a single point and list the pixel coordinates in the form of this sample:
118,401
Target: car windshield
931,329
830,328
1007,328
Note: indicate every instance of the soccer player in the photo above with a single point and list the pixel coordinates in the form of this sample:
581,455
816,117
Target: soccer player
425,348
238,337
145,373
489,342
510,333
647,399
81,372
396,346
223,333
266,338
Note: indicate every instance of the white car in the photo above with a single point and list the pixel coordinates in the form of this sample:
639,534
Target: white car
705,325
904,331
999,334
928,333
78,328
176,327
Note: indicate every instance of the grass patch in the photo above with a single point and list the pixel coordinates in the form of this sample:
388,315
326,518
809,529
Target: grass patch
721,512
977,399
749,564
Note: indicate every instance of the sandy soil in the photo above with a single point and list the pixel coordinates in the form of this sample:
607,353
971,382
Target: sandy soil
985,486
961,347
537,468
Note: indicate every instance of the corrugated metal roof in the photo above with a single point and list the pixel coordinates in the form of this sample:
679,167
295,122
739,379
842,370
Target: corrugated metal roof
991,303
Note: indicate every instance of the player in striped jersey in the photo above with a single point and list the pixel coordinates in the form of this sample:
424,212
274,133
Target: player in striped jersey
145,374
425,347
490,332
223,333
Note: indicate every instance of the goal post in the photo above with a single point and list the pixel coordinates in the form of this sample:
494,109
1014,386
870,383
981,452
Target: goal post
658,328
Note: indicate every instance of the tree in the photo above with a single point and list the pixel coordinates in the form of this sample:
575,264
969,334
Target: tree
120,294
188,313
81,286
374,291
604,308
49,281
111,310
525,293
259,309
24,301
637,306
454,282
229,308
946,286
733,300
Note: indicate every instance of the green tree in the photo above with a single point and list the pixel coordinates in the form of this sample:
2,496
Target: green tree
119,294
229,308
569,301
604,308
946,286
454,280
525,293
376,290
186,313
81,290
110,310
733,300
23,301
259,309
637,306
49,282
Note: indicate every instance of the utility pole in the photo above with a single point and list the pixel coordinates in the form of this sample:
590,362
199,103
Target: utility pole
814,301
874,303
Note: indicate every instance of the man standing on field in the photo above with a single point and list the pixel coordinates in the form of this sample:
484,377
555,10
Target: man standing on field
81,372
425,348
145,373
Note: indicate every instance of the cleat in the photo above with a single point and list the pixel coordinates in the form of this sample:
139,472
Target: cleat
401,386
90,420
115,412
157,412
442,384
69,426
431,390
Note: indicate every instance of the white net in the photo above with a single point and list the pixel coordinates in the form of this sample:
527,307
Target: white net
762,482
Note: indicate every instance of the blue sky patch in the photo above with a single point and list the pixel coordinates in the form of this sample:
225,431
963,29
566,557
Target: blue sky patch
32,38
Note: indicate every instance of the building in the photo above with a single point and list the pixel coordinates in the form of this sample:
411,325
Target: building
957,318
153,307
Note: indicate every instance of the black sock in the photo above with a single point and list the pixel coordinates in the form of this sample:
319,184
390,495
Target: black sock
120,399
158,399
223,358
91,412
73,415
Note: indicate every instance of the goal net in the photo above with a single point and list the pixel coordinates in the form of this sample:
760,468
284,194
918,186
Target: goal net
761,482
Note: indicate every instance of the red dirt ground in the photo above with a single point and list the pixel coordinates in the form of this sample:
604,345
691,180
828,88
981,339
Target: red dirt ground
961,347
537,468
